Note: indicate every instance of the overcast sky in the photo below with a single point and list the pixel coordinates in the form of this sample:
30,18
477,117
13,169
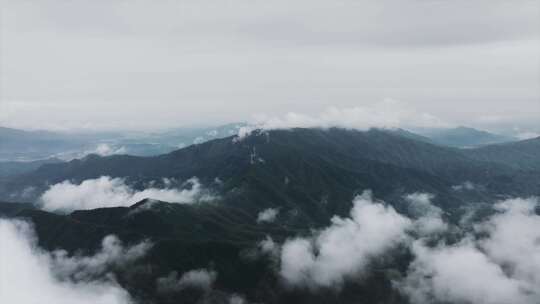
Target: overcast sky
122,64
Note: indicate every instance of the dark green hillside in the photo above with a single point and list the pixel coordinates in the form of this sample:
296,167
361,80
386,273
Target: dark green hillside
11,168
309,175
523,154
11,209
300,169
187,237
464,137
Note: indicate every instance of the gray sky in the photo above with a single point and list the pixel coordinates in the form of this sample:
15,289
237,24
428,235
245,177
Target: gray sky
120,64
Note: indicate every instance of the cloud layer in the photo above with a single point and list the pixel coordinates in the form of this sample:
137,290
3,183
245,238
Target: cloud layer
31,275
495,263
198,278
428,217
344,249
234,59
113,192
384,114
268,215
502,267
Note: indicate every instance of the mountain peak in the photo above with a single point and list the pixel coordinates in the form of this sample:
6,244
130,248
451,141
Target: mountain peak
463,137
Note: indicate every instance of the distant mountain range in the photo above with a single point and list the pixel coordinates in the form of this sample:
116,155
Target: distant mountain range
335,159
309,175
19,145
23,151
522,154
463,137
33,145
11,168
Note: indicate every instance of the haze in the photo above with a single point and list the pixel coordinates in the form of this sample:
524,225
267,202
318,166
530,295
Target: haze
99,65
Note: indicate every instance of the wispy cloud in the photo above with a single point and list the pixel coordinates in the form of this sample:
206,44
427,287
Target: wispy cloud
112,192
428,216
465,186
268,215
343,249
198,278
385,114
501,264
496,262
32,275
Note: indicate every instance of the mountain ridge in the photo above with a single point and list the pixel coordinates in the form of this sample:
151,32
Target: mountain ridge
313,160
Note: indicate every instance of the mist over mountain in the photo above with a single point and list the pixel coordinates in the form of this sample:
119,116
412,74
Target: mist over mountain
26,146
245,227
306,162
23,145
463,137
522,154
11,168
269,152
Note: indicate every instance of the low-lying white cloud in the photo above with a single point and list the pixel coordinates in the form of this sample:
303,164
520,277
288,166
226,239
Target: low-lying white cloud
515,239
344,249
467,185
428,216
528,135
385,114
113,254
268,215
113,192
102,149
459,274
31,275
500,265
496,262
212,133
237,299
269,247
107,150
198,278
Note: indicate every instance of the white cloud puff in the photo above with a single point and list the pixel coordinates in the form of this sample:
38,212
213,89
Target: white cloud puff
514,239
198,278
112,254
107,150
428,216
467,185
268,215
459,274
386,114
527,135
269,247
102,149
500,265
497,262
343,249
30,275
112,192
236,299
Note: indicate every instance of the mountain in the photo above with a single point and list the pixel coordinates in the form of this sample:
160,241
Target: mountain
11,168
463,137
409,135
30,145
8,209
186,237
156,143
523,154
309,175
188,136
20,145
299,168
